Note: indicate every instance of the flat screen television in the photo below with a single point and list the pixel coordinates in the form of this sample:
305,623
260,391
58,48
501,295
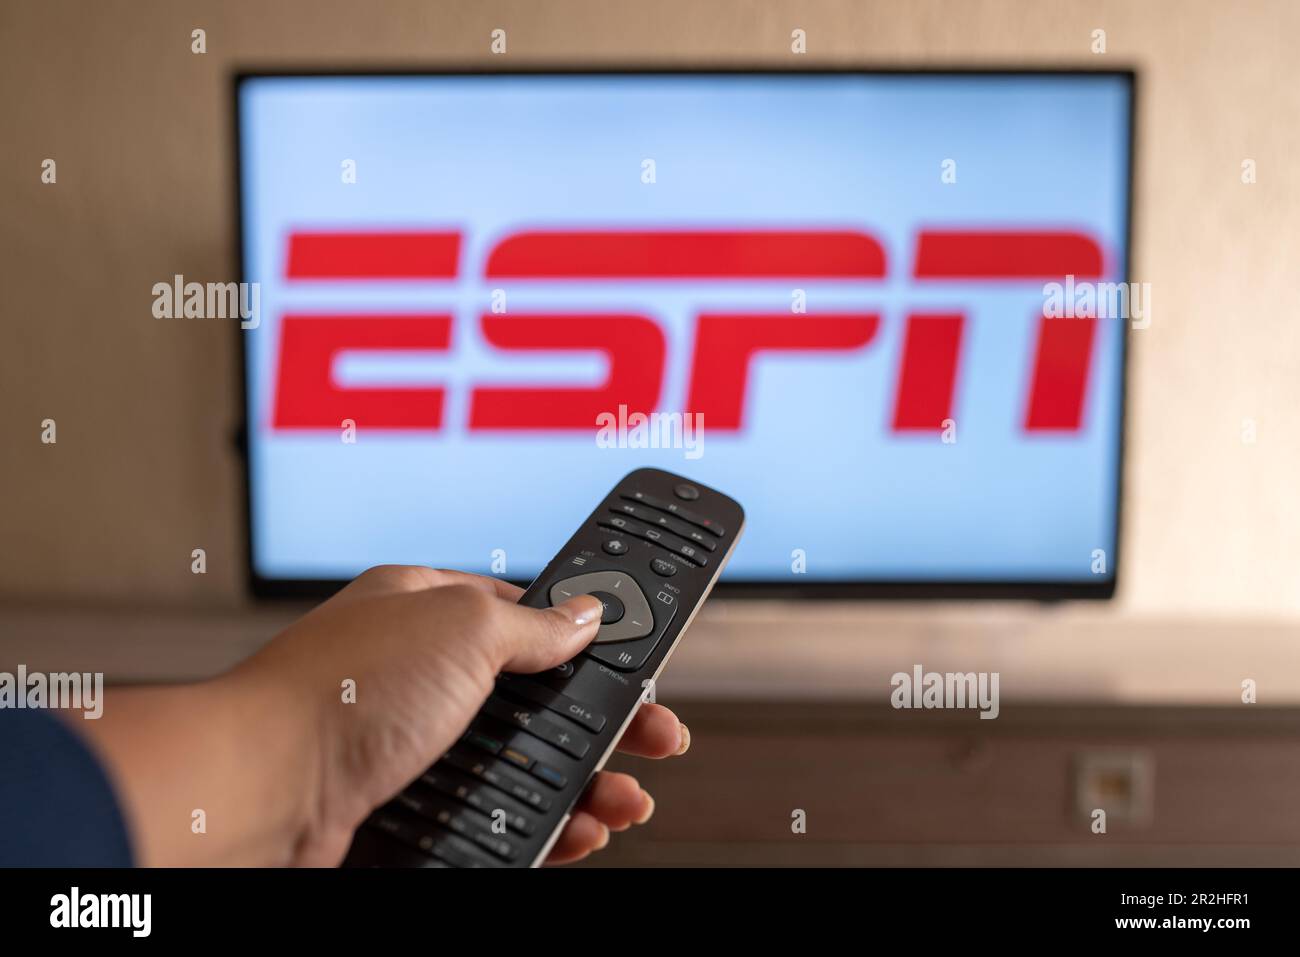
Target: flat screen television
834,295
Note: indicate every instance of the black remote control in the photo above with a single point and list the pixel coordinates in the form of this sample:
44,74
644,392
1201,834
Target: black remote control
651,552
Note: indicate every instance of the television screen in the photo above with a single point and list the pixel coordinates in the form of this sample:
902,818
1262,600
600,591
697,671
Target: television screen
857,302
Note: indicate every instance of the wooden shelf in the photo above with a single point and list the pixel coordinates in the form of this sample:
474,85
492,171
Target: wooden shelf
1071,653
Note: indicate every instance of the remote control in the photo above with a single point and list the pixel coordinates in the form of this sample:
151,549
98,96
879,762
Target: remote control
500,797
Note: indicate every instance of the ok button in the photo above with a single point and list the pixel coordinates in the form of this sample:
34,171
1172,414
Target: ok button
613,607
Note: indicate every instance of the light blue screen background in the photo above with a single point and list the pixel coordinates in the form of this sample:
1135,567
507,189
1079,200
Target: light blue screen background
817,466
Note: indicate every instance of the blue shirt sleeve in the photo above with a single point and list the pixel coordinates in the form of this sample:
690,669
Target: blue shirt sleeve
57,806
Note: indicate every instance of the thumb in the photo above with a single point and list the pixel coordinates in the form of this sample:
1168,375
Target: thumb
534,639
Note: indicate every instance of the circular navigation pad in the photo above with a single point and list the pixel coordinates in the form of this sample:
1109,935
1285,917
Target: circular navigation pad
634,618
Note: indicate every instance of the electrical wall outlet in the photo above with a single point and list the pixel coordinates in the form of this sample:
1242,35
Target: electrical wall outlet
1120,782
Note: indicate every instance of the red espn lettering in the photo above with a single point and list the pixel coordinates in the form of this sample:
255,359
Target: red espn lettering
306,396
390,255
633,345
687,254
1063,359
928,372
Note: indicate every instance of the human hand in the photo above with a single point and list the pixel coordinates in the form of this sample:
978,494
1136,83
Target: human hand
424,648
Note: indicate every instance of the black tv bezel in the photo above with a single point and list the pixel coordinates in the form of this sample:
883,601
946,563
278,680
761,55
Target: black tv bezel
958,589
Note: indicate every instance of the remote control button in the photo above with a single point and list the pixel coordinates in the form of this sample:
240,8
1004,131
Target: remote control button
661,566
677,527
550,775
517,758
551,700
447,848
485,742
393,823
613,607
615,546
425,850
421,804
687,492
673,508
629,657
456,819
470,826
691,554
564,670
461,787
622,657
495,844
637,620
674,544
524,719
395,826
496,774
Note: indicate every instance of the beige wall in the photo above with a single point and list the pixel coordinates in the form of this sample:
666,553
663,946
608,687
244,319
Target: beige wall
143,471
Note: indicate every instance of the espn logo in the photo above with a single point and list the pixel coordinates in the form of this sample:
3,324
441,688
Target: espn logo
307,396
